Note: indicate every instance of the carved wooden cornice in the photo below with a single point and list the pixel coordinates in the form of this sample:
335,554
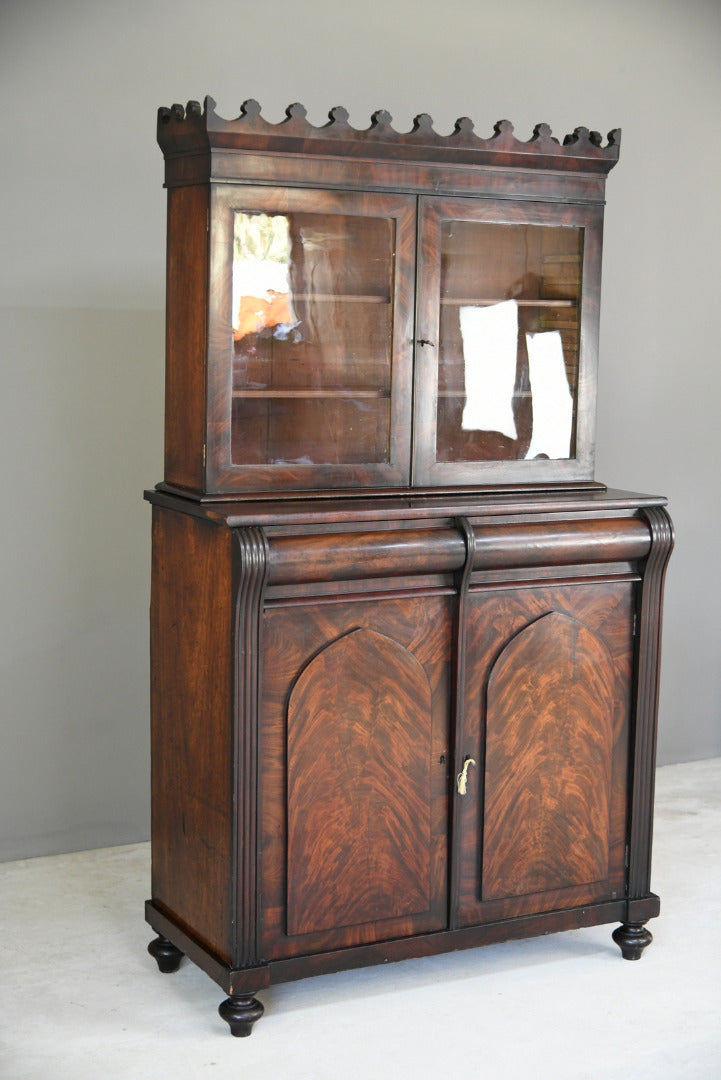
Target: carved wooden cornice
183,130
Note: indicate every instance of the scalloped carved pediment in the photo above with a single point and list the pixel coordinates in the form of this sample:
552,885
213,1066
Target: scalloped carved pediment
583,150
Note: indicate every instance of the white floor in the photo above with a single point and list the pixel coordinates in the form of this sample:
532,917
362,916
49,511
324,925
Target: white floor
81,998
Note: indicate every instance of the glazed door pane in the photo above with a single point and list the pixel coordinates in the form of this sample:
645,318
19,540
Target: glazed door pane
506,347
508,341
312,338
311,342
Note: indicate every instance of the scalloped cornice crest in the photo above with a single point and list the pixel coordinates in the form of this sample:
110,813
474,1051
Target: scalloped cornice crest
192,129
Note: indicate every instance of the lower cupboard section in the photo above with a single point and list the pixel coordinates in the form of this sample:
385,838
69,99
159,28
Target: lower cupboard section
448,752
358,770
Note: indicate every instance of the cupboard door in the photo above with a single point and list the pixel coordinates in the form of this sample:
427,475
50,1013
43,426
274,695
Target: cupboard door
354,751
309,379
507,341
547,720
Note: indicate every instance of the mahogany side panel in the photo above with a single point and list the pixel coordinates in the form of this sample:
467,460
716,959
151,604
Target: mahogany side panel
549,741
186,336
191,737
359,786
412,634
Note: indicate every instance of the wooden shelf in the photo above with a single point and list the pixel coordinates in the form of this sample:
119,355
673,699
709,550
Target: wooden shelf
474,301
462,393
344,298
312,392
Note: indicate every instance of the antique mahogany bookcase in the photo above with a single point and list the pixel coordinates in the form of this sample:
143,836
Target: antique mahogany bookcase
404,647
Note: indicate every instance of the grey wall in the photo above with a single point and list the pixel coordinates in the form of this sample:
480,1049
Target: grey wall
81,322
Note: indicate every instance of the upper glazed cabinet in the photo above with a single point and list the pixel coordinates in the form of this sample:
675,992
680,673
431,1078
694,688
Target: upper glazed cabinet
330,324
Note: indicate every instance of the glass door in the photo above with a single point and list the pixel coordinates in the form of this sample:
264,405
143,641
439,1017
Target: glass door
506,342
314,373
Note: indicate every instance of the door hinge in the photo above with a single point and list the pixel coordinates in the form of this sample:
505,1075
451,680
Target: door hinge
635,623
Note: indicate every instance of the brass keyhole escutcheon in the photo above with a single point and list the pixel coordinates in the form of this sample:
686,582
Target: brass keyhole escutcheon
462,778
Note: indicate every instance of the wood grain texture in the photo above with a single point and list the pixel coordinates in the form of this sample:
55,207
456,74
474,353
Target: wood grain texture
298,470
191,710
250,574
297,514
496,616
191,128
341,616
298,559
646,701
302,666
217,444
185,336
549,741
359,792
392,175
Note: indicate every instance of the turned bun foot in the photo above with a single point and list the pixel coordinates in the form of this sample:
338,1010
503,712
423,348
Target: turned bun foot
166,954
240,1012
632,939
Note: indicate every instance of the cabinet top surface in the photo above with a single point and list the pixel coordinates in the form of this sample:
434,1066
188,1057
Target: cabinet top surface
191,129
595,498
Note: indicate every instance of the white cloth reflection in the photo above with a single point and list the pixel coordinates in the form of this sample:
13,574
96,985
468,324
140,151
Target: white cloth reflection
490,349
551,396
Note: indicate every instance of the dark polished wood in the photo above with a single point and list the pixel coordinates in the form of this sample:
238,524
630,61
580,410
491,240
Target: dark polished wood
273,405
650,603
191,724
304,660
240,1012
359,786
549,748
250,571
185,336
165,953
539,627
355,736
632,939
404,664
191,129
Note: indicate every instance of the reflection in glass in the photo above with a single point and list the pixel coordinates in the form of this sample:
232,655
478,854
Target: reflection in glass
508,341
312,337
551,396
490,337
261,277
